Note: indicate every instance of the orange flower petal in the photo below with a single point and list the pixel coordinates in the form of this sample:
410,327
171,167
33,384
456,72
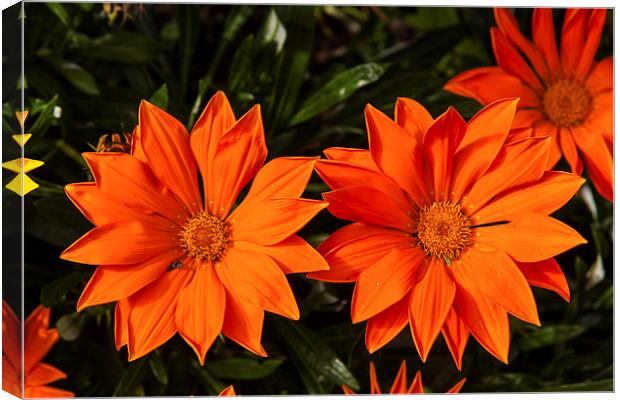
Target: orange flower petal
530,237
38,338
498,278
385,282
596,23
114,282
474,83
569,149
229,391
121,329
374,382
546,274
98,207
165,143
132,242
46,391
455,334
257,279
356,247
416,385
216,119
546,196
359,157
11,339
293,255
598,160
200,310
400,382
42,374
526,118
441,141
574,32
151,320
132,183
509,59
601,77
412,116
548,129
274,220
543,32
529,154
430,303
396,151
370,206
338,175
485,136
280,177
243,323
509,26
384,326
457,388
240,154
487,322
347,390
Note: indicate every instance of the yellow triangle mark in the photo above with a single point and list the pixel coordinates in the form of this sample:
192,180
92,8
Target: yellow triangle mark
22,139
22,181
21,117
16,165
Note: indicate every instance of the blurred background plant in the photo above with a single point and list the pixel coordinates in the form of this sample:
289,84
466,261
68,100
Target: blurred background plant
312,69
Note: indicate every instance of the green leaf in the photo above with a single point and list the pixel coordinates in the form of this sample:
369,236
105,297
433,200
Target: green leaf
242,368
292,64
79,77
158,368
55,292
549,335
242,64
131,379
316,362
69,326
211,384
271,31
123,47
189,24
44,117
597,386
160,97
59,10
339,88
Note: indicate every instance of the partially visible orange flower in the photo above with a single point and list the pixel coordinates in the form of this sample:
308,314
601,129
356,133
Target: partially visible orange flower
174,262
229,391
567,95
451,226
400,383
38,341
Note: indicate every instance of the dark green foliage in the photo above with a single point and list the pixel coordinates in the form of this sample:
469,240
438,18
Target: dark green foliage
312,69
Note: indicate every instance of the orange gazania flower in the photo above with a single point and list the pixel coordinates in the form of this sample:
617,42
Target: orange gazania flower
38,341
567,95
175,263
451,224
400,383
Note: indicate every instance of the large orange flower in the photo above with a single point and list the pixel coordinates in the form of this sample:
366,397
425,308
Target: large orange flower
38,341
451,224
400,383
566,95
174,263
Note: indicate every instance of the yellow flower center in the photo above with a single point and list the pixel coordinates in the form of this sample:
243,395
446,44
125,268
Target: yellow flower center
566,103
204,236
443,230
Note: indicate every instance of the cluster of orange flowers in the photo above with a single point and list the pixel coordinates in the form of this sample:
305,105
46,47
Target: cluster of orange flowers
450,219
